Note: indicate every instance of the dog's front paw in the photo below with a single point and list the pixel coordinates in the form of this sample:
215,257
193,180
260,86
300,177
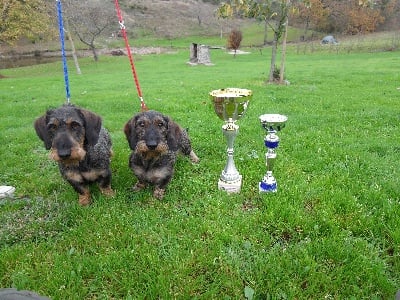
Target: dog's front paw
193,157
158,193
138,186
107,191
84,199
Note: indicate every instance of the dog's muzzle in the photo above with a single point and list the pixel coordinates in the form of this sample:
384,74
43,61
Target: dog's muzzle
66,150
155,149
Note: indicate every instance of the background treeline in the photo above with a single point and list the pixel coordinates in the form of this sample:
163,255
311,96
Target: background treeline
341,16
36,19
347,17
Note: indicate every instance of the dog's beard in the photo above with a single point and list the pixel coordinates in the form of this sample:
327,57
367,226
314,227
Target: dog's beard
77,154
148,153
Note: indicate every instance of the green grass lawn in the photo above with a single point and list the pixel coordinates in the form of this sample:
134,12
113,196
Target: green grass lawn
330,232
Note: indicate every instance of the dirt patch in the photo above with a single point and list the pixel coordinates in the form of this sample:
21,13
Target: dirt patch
14,59
83,53
134,50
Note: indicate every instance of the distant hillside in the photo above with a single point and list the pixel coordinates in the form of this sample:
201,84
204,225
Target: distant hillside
172,18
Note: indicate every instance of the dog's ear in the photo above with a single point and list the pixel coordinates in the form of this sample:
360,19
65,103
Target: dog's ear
130,134
92,126
173,134
42,132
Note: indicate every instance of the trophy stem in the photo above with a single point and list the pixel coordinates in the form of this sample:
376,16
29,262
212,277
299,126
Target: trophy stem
230,179
268,184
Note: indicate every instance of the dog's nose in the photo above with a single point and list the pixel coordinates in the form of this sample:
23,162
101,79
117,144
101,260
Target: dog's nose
64,153
151,145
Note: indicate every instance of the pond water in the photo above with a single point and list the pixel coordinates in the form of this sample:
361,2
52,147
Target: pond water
23,61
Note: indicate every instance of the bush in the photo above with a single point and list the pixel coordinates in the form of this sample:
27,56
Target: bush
234,39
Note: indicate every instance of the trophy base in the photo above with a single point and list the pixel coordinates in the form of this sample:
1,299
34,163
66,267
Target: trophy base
230,187
267,187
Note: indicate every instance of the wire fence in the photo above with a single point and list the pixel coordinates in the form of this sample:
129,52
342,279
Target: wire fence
389,41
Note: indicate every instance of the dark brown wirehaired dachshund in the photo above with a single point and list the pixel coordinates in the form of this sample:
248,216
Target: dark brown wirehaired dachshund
80,145
155,141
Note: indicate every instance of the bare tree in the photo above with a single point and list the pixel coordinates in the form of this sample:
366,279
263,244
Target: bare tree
89,20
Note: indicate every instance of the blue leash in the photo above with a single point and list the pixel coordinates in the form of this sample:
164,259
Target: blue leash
64,59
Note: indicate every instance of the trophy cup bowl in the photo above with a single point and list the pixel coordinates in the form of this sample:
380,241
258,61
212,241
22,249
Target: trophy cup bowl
272,123
230,104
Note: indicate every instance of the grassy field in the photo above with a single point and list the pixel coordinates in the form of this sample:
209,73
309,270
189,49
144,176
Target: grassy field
331,232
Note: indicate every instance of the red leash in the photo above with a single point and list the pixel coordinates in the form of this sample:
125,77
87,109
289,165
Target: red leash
128,49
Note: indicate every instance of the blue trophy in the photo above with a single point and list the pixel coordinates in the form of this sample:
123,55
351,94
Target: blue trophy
272,123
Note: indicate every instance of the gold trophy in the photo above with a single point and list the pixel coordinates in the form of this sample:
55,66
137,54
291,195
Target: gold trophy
230,104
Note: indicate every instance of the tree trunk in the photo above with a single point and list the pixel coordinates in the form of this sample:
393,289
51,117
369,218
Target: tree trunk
273,57
306,29
93,48
78,69
265,33
282,70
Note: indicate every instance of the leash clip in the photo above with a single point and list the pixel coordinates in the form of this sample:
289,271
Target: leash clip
121,25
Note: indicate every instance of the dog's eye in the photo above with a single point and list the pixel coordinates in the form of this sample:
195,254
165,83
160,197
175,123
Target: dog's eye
141,124
75,125
51,126
161,124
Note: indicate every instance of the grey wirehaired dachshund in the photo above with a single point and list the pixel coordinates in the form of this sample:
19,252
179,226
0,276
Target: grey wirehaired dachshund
80,145
155,141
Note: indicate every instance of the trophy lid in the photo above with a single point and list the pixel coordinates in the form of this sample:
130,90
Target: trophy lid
231,93
273,121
